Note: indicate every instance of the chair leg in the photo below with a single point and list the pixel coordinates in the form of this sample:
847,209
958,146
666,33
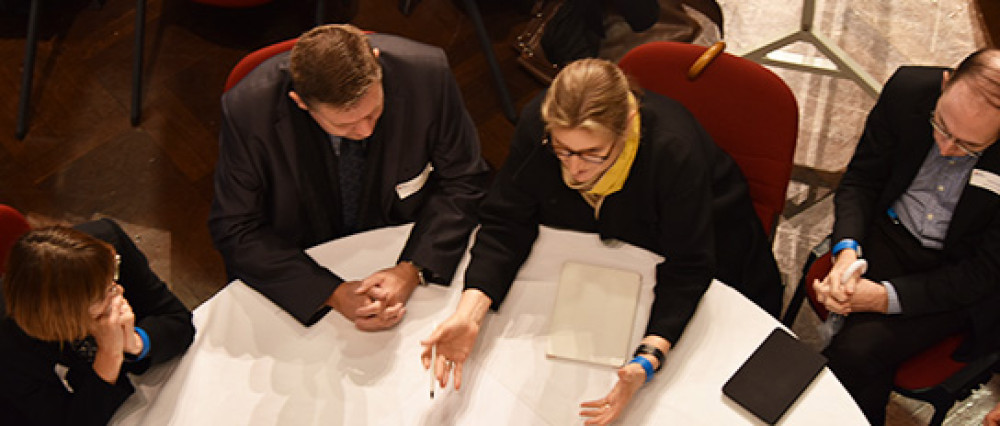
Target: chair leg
320,12
28,72
406,6
140,32
484,40
939,413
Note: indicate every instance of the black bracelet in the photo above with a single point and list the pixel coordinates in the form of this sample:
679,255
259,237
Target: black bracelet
645,349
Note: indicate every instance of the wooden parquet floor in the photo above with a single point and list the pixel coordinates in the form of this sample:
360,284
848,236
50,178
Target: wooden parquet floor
82,159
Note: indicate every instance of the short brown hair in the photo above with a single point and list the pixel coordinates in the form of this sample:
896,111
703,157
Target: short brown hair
982,67
334,65
54,274
591,94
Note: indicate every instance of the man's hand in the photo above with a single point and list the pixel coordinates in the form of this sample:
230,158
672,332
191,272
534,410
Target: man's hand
375,315
838,290
393,286
868,296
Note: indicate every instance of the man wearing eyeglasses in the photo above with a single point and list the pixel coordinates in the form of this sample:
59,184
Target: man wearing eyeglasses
920,201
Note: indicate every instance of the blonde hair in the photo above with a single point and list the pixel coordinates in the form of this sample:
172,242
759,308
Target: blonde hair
53,276
334,65
591,94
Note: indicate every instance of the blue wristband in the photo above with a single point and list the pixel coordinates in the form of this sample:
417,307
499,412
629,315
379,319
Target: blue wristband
145,344
847,243
646,365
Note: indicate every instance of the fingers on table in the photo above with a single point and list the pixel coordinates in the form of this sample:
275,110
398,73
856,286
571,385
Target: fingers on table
599,411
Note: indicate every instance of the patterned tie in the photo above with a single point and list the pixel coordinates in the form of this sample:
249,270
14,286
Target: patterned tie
352,171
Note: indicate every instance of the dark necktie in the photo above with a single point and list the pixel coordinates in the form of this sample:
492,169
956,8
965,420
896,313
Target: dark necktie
352,171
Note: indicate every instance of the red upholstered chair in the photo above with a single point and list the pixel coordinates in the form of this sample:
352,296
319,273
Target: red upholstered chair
931,376
747,109
250,61
12,226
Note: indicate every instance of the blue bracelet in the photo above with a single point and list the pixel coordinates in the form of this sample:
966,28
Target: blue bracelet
646,365
847,243
145,343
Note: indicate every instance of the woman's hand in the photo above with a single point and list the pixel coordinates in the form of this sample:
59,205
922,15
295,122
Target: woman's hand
630,378
605,410
110,317
455,337
131,341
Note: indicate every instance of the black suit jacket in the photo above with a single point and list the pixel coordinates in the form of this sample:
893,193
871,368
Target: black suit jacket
30,390
896,139
684,199
267,210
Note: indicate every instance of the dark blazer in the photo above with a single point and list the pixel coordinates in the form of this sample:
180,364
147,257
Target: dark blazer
30,390
684,199
267,210
895,141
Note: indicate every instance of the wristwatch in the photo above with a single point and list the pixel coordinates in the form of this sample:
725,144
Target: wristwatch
422,273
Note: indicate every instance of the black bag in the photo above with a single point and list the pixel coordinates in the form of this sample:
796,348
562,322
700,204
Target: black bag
556,35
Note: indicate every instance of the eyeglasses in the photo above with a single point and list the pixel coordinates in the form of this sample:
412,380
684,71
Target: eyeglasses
118,264
961,144
565,154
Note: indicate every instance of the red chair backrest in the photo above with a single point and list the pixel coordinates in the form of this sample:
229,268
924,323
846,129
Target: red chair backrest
747,109
250,61
12,226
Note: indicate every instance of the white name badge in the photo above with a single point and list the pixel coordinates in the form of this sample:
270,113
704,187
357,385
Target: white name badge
61,372
986,180
410,187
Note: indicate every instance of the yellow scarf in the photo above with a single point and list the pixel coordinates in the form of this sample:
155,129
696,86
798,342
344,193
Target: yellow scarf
614,177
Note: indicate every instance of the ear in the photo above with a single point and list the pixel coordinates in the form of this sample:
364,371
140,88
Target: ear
298,100
375,51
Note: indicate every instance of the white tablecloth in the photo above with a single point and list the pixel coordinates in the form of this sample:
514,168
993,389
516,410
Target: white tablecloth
251,363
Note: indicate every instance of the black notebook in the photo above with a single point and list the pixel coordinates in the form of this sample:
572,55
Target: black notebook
774,376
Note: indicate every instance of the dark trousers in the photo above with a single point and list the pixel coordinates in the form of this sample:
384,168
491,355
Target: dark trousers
866,353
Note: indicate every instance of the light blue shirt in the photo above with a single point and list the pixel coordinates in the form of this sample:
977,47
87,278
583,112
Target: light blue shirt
925,209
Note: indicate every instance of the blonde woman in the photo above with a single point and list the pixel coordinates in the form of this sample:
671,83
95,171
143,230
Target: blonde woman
593,155
81,312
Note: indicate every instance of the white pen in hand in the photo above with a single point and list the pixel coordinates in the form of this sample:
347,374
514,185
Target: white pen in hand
433,365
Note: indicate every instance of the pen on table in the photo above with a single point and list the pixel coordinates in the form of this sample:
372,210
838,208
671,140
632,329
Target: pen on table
433,362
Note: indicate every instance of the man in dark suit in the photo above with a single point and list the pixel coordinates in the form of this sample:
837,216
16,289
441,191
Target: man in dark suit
922,197
346,133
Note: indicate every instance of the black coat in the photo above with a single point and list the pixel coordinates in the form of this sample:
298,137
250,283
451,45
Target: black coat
895,142
30,390
684,199
271,202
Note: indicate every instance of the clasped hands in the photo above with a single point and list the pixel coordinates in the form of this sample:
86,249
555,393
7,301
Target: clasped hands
377,302
856,294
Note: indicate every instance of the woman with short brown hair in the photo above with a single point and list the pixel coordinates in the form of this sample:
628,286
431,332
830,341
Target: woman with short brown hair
70,333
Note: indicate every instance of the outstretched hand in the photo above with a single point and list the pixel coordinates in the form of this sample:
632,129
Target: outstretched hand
605,410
